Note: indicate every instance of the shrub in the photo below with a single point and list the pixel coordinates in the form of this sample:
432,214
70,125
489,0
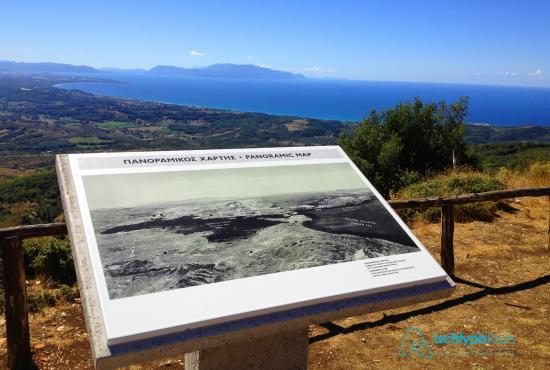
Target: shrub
413,139
50,257
449,184
40,299
69,293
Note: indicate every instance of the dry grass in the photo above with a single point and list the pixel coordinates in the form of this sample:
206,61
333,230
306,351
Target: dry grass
503,287
536,175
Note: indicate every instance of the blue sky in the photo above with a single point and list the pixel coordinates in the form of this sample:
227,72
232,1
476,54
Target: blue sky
475,41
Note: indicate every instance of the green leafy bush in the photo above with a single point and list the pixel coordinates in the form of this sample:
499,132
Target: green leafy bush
449,184
398,146
69,293
50,257
40,299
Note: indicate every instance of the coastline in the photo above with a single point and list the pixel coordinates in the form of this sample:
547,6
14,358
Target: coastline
320,99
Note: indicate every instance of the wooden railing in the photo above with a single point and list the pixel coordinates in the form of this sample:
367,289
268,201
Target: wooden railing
16,307
447,205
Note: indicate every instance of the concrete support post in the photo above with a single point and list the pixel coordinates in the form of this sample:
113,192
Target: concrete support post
284,351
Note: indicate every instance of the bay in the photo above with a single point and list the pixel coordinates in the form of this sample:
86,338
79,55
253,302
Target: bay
326,99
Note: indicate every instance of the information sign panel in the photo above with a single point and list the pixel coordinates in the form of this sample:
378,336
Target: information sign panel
182,240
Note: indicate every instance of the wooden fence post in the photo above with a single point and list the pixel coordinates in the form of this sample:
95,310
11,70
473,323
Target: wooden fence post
17,313
447,231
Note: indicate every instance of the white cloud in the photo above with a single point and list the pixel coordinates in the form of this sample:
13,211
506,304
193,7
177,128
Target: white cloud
195,53
250,58
317,69
537,73
511,74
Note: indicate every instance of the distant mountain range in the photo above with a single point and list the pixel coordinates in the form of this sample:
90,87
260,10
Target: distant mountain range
14,67
225,70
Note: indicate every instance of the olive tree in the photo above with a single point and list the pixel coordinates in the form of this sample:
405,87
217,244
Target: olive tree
398,146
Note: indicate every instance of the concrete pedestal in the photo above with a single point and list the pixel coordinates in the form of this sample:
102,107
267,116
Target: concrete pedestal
284,351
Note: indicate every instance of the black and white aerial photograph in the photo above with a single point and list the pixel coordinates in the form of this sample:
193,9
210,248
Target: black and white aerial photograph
158,231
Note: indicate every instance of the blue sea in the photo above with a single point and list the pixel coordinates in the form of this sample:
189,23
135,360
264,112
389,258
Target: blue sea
327,99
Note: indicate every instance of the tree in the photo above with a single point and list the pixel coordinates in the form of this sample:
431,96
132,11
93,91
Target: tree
400,145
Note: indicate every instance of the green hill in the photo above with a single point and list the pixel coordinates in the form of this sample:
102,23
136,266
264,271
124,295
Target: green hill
482,134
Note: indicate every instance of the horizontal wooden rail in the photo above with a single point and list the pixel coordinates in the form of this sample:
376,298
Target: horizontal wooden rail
33,231
17,325
470,198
